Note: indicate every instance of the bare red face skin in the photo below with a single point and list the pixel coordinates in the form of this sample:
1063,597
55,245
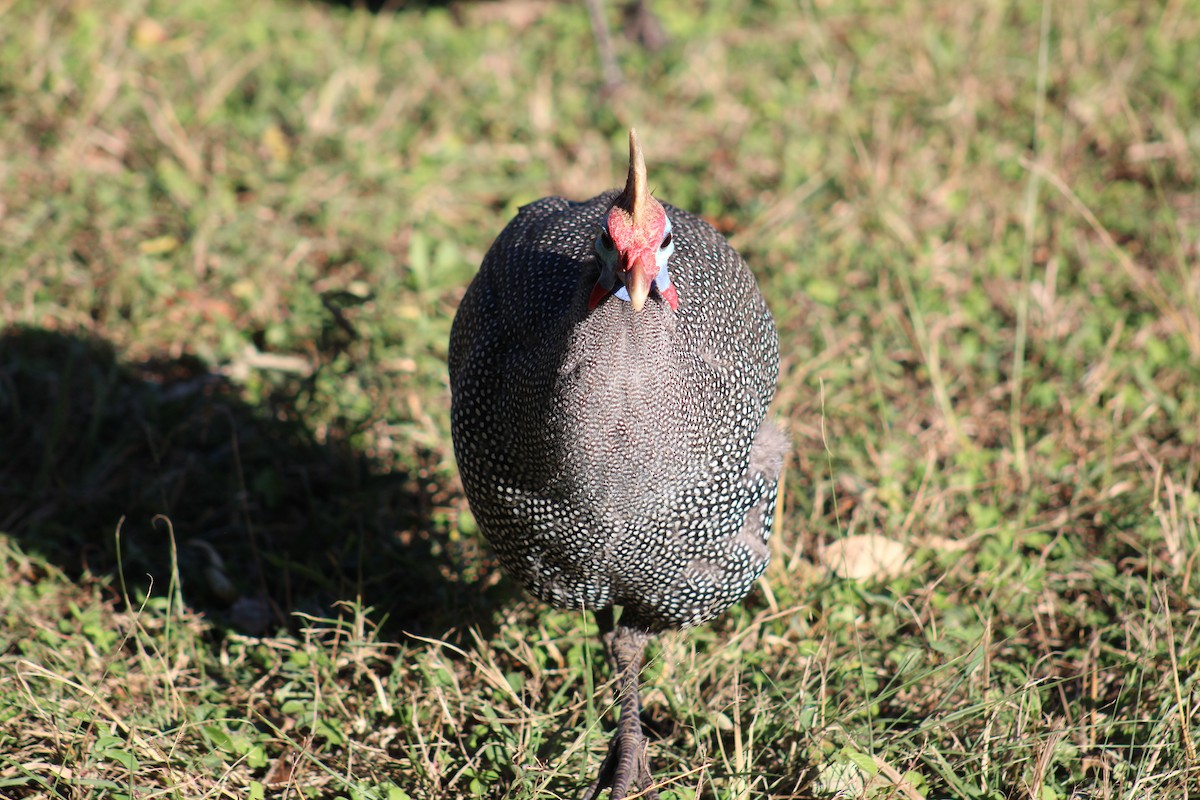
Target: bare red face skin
638,236
637,243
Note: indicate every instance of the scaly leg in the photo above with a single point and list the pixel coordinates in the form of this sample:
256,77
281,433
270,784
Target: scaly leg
626,764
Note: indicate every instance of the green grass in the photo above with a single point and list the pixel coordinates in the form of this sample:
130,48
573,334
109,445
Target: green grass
235,560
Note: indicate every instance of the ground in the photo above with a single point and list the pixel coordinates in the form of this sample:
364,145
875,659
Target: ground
235,557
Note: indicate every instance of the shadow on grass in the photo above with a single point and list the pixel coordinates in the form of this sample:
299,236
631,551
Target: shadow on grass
265,521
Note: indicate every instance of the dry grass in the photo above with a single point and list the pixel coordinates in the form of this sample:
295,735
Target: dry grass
235,557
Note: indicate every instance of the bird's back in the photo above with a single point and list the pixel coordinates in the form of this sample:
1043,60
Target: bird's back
616,456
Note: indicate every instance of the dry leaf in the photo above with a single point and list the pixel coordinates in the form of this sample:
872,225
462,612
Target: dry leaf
866,557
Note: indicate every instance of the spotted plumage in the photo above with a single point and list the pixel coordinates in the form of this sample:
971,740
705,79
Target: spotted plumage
617,455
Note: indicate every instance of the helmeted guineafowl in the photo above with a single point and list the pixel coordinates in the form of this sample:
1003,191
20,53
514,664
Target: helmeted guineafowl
611,367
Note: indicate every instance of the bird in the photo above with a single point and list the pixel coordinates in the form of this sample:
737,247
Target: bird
611,367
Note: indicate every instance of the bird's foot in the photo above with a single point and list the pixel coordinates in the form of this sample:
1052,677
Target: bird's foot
626,766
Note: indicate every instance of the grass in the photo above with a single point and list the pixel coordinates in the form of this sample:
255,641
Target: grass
234,556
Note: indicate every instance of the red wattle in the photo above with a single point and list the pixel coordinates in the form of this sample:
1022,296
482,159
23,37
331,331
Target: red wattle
671,296
598,294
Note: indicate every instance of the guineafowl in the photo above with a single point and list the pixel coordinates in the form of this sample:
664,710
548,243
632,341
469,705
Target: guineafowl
611,366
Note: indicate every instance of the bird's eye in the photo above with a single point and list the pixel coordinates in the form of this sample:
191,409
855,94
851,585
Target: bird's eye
606,240
666,242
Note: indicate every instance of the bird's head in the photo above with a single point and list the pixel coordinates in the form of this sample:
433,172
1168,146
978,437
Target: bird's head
634,243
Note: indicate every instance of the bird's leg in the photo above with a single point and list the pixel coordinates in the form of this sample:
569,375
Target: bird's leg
626,764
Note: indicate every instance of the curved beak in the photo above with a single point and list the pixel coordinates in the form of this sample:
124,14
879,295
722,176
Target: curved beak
638,278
